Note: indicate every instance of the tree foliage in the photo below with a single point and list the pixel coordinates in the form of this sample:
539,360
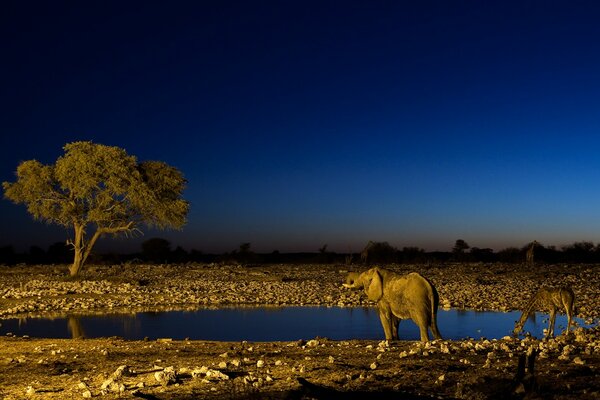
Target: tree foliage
381,252
460,246
103,187
156,250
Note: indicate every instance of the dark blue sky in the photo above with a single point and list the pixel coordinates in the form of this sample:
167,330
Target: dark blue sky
303,123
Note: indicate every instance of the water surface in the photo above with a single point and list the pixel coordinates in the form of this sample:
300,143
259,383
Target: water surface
271,324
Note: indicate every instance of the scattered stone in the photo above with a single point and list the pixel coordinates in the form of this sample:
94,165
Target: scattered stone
208,374
578,361
166,377
123,370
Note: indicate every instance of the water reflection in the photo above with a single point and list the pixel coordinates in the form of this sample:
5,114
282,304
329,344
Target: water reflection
270,324
74,324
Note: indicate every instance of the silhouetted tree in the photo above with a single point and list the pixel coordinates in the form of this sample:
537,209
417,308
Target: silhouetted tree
458,251
413,254
381,252
245,255
510,254
179,255
157,250
8,256
36,255
324,255
485,255
59,253
579,252
196,255
460,246
273,257
94,185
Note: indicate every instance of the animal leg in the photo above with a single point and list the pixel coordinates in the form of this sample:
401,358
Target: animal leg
423,322
569,316
386,321
569,310
434,329
424,333
395,322
551,324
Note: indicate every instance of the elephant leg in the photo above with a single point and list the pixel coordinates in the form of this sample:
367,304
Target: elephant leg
434,329
424,333
385,316
423,324
395,323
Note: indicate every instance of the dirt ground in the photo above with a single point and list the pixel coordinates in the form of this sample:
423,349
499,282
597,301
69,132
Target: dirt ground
566,367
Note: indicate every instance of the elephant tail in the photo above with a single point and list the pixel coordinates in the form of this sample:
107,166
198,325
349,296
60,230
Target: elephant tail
435,300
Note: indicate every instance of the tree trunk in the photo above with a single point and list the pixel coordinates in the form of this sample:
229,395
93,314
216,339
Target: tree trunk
78,247
83,249
77,263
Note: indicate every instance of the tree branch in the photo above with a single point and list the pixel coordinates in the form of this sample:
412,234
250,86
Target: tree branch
115,229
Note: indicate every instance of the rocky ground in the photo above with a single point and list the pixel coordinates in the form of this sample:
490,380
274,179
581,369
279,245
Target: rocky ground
565,367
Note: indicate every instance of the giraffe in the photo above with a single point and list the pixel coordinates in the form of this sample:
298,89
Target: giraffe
530,253
553,300
364,255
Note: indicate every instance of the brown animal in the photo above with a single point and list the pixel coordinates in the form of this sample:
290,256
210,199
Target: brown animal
529,257
399,297
552,300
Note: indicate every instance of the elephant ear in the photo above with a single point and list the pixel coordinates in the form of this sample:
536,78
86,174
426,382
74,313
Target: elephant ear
374,289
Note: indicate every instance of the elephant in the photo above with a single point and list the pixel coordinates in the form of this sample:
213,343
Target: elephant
399,297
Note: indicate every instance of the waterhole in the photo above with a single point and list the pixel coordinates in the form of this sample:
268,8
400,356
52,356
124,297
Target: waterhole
272,324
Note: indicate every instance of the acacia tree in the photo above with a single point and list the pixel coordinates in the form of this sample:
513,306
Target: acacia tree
99,188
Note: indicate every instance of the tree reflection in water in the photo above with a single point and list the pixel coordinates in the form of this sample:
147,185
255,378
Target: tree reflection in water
74,323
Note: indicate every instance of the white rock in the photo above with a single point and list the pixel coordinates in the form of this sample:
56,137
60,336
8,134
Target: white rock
214,374
166,376
579,361
123,370
107,383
